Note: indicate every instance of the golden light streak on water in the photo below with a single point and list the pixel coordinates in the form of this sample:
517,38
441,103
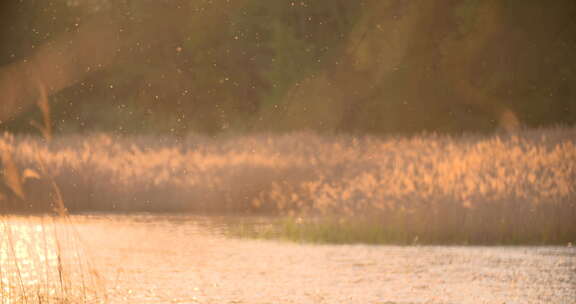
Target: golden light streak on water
41,261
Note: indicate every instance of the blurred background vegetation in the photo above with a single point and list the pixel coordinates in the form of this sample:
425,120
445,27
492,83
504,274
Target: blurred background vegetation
240,66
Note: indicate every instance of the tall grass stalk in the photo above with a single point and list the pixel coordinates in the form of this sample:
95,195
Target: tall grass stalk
59,281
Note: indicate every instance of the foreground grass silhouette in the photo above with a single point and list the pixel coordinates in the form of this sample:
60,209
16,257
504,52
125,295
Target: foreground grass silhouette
498,189
42,260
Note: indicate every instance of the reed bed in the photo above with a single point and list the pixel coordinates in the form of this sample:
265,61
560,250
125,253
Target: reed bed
500,188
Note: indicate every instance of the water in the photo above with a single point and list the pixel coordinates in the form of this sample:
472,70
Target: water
188,259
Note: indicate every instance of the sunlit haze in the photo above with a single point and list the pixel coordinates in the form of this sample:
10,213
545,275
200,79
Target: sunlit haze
315,151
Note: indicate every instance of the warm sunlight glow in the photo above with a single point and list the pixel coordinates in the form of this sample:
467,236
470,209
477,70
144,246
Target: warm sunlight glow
281,151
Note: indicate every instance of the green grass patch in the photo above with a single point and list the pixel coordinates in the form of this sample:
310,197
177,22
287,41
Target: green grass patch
394,230
328,230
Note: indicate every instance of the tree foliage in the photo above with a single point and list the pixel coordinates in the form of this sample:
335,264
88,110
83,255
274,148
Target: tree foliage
376,66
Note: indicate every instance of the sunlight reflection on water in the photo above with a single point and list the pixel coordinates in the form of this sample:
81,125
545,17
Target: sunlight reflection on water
41,261
188,259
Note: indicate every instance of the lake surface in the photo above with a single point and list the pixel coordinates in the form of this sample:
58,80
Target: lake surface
188,259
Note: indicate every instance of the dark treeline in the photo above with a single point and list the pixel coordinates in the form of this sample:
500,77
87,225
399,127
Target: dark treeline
376,66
